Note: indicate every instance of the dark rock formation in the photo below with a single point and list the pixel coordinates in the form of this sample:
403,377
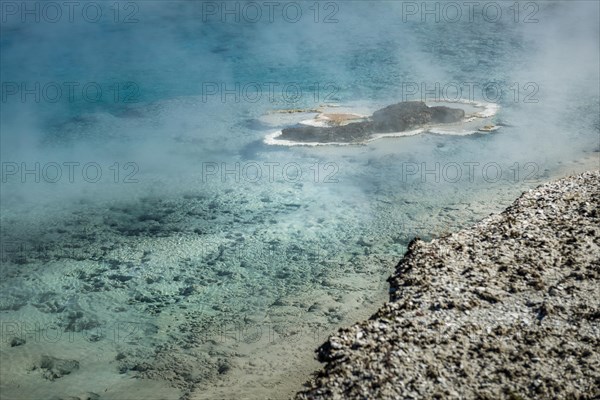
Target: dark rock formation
446,115
353,132
412,114
394,118
56,368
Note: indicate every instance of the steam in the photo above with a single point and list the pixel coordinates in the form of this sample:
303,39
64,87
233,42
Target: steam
366,50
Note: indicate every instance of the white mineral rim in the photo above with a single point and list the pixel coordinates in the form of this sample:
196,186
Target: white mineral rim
477,120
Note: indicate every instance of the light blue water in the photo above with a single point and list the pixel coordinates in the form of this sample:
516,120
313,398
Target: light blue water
229,280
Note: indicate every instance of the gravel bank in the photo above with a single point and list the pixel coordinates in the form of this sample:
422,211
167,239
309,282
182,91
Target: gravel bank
507,309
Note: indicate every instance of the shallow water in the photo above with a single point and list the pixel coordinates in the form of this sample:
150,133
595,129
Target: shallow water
204,263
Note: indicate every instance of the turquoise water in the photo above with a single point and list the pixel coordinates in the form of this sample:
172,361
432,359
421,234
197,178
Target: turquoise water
203,263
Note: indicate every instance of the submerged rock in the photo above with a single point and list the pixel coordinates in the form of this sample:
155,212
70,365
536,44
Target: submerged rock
57,368
397,117
353,132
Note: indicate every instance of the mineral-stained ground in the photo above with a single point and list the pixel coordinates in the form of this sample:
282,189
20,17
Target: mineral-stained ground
507,309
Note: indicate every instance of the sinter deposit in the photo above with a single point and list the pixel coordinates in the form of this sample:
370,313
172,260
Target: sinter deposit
507,309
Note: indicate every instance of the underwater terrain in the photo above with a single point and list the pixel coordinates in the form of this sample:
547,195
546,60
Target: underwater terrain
157,245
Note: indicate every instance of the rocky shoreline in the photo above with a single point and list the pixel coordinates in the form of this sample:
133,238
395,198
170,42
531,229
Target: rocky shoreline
507,309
